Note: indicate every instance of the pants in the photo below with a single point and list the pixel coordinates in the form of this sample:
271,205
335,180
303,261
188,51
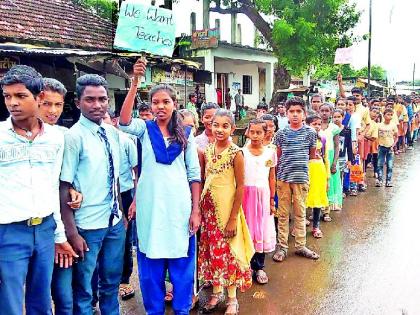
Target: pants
385,155
106,247
316,217
127,199
61,290
415,134
152,273
400,143
408,137
287,193
258,261
372,157
26,260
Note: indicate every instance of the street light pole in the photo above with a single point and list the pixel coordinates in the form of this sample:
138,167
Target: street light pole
370,44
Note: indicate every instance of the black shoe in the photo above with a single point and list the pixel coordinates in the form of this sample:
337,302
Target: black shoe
389,184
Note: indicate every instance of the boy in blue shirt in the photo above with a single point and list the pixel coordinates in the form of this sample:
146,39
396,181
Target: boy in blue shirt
95,231
296,144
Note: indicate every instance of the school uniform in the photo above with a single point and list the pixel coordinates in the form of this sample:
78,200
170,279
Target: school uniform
128,160
163,211
91,163
30,220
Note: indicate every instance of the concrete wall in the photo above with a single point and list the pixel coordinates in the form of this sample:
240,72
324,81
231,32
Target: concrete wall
236,71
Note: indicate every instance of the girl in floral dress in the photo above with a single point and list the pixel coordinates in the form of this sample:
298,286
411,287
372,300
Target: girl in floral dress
226,247
258,201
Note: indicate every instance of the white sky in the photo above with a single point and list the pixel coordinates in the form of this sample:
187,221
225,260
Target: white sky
395,37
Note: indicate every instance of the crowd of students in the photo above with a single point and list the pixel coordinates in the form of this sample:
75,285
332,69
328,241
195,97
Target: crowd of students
202,211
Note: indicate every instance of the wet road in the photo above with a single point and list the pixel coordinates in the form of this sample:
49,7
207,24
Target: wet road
370,258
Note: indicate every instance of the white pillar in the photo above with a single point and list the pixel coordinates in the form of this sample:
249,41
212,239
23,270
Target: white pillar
209,66
269,81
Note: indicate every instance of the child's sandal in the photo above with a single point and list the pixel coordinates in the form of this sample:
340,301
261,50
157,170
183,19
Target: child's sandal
208,308
235,304
327,218
317,233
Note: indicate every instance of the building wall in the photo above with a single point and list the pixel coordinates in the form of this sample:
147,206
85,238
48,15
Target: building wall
182,12
236,71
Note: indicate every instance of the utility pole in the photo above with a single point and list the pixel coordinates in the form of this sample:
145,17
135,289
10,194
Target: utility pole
414,74
370,44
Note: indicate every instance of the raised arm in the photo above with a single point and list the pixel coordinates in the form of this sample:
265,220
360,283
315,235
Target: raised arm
139,70
340,85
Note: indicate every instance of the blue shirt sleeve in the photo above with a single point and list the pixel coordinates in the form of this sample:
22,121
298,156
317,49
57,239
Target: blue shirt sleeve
132,153
137,127
192,163
71,158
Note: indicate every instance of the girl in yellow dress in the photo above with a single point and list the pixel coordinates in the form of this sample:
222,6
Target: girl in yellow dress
319,172
226,246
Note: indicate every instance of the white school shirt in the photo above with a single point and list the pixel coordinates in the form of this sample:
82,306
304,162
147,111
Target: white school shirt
29,176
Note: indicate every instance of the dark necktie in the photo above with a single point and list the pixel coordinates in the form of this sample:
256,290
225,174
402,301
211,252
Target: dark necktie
111,176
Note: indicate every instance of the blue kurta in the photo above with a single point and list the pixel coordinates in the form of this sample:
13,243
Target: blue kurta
163,198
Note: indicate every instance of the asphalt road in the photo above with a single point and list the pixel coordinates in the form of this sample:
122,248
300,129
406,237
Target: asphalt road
370,258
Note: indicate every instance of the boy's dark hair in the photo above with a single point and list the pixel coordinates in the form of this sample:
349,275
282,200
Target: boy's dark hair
391,99
208,106
357,90
54,85
25,75
351,98
295,101
89,80
144,107
318,96
263,106
191,95
388,110
311,118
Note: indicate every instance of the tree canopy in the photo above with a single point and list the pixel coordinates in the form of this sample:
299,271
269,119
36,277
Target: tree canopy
301,33
329,72
107,9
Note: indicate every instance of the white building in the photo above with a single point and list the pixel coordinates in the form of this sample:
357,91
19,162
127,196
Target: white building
236,63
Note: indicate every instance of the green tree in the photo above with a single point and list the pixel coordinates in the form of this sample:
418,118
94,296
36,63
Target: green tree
329,72
303,32
107,9
376,73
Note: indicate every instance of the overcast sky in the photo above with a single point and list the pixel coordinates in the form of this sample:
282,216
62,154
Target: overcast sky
395,36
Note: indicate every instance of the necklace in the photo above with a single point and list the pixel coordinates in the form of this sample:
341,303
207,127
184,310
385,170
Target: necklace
28,133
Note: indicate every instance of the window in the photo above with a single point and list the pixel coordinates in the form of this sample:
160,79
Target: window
193,22
247,84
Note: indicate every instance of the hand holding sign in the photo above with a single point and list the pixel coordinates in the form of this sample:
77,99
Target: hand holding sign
139,68
145,28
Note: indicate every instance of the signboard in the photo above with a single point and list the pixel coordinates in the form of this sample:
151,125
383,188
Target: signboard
174,77
343,56
6,63
145,28
208,38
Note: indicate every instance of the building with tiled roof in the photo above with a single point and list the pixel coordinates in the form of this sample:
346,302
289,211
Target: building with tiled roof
53,23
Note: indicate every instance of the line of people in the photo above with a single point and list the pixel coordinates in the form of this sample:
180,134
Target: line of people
72,199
